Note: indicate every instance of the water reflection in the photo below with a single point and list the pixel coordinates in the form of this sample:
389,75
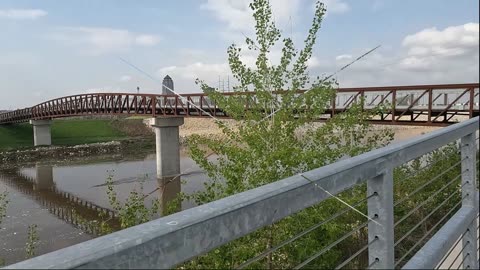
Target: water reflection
169,188
77,211
65,201
64,205
44,177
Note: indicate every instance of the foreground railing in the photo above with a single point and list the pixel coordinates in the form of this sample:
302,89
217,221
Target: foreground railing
448,212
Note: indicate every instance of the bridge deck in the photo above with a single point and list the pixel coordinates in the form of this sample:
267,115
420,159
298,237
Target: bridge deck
437,105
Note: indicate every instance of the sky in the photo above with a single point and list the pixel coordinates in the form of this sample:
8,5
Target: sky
55,48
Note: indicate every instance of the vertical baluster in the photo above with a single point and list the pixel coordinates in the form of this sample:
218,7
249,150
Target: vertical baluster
380,208
469,193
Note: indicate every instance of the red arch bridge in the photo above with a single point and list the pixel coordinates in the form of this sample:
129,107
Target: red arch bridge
427,105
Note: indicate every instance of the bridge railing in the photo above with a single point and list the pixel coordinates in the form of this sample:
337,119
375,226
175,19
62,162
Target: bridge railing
444,212
431,104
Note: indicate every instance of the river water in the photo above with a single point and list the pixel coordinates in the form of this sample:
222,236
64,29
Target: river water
60,198
63,198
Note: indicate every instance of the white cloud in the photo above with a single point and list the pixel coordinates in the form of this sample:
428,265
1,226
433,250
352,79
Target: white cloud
235,13
313,62
400,64
238,16
336,6
200,70
343,57
125,78
430,56
97,40
105,89
147,40
459,39
184,76
432,48
22,14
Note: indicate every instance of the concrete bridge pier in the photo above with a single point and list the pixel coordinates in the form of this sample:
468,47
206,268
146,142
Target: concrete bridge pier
42,132
168,158
44,177
167,145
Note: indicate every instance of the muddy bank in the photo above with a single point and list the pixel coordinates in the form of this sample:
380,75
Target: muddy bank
107,150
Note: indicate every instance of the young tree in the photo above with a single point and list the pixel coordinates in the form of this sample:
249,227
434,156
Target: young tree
275,136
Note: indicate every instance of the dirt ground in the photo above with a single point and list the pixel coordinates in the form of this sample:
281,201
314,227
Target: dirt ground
205,126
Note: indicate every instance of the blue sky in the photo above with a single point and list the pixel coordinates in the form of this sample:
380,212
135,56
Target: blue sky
51,48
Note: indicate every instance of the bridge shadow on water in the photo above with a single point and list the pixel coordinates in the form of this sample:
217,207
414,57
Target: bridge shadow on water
68,208
63,205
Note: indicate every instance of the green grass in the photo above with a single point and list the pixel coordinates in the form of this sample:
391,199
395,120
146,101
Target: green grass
64,132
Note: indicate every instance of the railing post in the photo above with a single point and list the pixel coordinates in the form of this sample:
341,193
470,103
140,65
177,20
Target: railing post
471,102
380,232
394,104
430,105
469,193
154,106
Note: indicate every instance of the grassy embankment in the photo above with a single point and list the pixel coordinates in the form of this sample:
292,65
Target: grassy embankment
71,132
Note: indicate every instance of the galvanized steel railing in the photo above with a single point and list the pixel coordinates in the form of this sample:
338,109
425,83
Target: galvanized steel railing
172,240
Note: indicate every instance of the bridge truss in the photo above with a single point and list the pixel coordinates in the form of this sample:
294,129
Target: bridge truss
428,105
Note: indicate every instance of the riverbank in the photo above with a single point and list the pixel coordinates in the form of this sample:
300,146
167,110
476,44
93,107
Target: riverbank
103,150
76,139
77,131
113,138
64,132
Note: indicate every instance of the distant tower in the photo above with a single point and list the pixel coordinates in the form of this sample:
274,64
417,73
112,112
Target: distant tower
138,89
168,82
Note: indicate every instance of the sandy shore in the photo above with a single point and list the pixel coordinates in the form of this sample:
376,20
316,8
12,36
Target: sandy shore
205,126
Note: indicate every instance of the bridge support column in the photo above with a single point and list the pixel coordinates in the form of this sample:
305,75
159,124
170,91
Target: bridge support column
167,145
44,177
41,132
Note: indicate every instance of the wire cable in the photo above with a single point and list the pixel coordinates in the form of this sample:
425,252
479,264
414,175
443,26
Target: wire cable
340,200
427,183
327,248
421,169
458,255
373,263
426,200
356,254
288,241
425,218
331,75
168,88
428,232
451,250
464,257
